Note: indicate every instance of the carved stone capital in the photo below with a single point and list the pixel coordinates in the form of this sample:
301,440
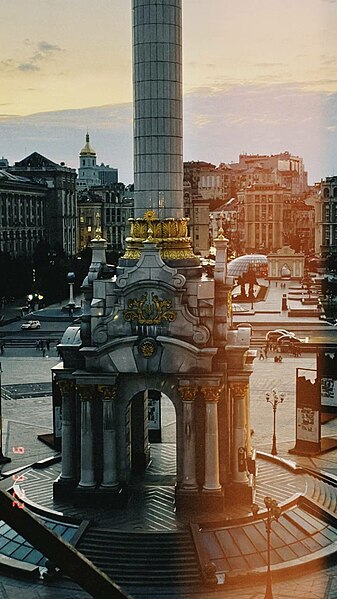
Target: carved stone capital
86,392
239,390
108,392
211,394
188,393
65,386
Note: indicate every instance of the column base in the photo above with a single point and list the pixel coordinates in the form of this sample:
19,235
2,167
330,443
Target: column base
212,500
98,496
239,493
70,491
64,488
187,500
195,501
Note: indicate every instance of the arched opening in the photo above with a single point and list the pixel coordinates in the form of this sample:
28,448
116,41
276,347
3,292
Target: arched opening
152,435
285,271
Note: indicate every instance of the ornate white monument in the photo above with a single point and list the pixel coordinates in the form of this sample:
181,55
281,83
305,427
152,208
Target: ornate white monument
160,325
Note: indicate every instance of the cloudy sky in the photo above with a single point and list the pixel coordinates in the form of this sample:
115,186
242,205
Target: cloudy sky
259,76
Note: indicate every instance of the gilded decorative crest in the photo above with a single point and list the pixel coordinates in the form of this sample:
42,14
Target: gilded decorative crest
145,311
150,215
147,347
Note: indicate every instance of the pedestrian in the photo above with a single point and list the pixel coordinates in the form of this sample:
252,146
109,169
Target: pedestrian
47,344
43,351
37,344
266,351
2,348
261,355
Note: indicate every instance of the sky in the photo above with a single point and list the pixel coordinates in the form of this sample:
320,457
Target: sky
260,76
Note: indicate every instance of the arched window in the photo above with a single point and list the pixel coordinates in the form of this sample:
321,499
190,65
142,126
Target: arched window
326,192
335,192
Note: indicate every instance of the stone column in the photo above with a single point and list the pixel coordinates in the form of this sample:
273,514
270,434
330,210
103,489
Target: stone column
189,479
109,479
212,481
87,395
239,398
158,115
68,468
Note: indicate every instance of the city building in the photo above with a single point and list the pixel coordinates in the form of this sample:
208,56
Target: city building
109,206
60,203
261,216
91,174
326,216
22,214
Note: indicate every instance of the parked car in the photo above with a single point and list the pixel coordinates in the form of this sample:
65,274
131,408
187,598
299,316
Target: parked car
277,333
288,340
239,308
31,324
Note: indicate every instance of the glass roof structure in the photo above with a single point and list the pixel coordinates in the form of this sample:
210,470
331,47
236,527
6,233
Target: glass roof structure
242,264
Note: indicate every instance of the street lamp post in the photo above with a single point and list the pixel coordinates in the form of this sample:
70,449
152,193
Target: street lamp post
274,398
3,458
273,513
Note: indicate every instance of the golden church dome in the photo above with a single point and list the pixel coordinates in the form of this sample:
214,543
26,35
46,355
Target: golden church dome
87,150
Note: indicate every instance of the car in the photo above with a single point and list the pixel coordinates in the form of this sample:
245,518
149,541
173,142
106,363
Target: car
288,339
239,308
274,335
31,324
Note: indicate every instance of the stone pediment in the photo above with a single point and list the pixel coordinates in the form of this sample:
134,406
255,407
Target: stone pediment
156,355
150,267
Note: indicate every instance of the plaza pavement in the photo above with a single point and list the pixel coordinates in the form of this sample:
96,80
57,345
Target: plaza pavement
26,418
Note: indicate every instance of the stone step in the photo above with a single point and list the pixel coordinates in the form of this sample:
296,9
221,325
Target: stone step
142,558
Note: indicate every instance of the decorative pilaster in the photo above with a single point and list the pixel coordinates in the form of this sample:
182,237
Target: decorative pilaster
212,481
87,394
189,480
109,479
239,393
68,467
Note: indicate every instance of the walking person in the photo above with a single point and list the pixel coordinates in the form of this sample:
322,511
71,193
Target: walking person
261,354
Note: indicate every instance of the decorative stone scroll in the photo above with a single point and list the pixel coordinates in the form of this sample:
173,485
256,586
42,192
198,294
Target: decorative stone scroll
239,390
65,386
188,393
211,394
86,392
108,392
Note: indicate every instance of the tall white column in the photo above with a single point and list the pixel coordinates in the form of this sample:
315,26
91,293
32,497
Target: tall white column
189,480
87,394
109,479
212,480
68,465
158,115
239,398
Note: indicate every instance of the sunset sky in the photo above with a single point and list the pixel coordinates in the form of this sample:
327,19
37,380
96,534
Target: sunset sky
259,76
